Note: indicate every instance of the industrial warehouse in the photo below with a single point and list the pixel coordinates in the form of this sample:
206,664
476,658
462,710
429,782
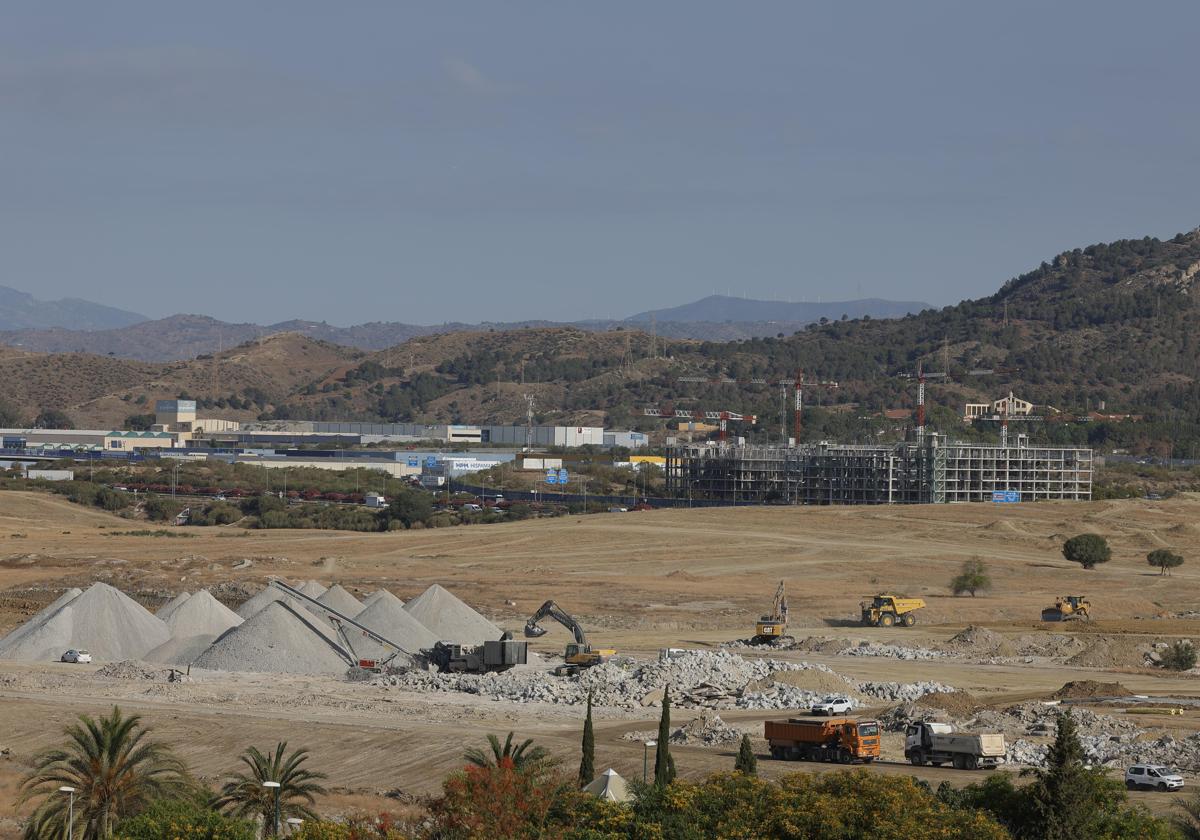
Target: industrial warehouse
936,470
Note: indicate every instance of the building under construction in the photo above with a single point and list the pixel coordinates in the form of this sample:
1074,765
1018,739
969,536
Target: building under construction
933,471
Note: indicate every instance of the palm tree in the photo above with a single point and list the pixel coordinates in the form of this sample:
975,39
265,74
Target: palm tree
1188,823
114,769
244,795
524,756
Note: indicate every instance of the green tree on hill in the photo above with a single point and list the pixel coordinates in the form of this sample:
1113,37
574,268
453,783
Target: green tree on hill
972,578
1164,559
1088,550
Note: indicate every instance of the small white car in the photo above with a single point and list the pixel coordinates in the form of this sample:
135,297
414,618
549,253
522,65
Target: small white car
833,705
77,657
1154,776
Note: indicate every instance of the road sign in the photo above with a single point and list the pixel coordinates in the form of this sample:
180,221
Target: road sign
414,461
562,476
430,461
1006,496
552,477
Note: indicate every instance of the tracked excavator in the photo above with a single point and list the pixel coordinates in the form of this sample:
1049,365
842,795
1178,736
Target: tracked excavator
773,627
579,653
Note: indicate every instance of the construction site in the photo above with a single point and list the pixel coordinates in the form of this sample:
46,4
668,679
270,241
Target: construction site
932,470
387,654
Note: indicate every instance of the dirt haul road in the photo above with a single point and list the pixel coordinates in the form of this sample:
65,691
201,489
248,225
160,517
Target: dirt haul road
638,581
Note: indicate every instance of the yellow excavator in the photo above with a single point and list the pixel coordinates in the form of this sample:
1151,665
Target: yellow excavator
579,653
888,610
773,627
1068,608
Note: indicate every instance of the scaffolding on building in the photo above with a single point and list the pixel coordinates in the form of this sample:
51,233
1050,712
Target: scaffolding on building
934,470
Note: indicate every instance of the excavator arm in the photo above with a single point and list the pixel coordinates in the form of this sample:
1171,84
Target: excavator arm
552,610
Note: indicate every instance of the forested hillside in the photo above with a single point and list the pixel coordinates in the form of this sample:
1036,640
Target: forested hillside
1111,327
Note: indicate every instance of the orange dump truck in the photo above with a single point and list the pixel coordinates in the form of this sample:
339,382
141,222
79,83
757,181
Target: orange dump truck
844,740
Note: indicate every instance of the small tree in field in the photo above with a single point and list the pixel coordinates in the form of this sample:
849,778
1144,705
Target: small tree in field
1180,656
973,578
1088,550
747,761
1164,559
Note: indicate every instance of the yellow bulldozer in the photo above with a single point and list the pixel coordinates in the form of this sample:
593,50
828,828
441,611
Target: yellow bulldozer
888,610
773,627
1068,608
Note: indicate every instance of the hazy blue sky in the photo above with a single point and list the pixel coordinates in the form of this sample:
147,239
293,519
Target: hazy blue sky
506,160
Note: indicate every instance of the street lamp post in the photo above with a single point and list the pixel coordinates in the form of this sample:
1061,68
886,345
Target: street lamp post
646,745
70,792
275,785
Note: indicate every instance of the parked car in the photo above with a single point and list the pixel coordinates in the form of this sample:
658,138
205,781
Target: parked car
471,507
618,510
1154,776
835,704
77,657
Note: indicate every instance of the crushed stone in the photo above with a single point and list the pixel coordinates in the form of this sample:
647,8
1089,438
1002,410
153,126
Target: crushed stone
450,619
387,617
170,607
102,620
277,639
337,598
268,595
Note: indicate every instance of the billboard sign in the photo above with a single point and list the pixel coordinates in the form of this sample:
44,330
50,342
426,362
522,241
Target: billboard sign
1006,496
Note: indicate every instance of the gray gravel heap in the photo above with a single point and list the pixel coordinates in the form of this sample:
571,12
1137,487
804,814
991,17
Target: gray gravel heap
195,625
387,617
376,595
277,639
37,619
450,619
166,609
102,620
268,595
337,598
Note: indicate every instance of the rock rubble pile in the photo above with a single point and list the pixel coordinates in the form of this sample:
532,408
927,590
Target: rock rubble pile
697,679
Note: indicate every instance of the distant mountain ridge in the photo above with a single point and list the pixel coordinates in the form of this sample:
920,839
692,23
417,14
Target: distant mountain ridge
179,337
22,311
722,308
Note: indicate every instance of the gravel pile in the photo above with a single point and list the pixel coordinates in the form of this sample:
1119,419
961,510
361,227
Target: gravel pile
370,600
337,598
102,620
132,669
269,595
195,624
311,588
387,617
450,619
277,639
166,609
38,618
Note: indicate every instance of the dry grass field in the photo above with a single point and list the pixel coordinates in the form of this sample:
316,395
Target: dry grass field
638,581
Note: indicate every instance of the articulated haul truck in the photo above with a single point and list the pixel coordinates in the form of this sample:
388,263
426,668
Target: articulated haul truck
926,742
844,740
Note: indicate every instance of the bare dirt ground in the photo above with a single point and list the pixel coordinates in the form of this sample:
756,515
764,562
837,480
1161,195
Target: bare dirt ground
638,581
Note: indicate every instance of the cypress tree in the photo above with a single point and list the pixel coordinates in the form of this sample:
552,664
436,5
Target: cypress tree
747,761
587,765
1065,796
664,765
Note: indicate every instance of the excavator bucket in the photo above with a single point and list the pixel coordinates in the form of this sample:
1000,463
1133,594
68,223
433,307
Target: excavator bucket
533,631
